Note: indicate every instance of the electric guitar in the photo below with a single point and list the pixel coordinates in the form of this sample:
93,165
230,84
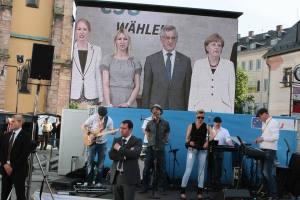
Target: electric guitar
97,133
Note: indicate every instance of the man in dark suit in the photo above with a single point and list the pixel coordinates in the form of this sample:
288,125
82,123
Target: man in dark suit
167,75
13,155
125,172
55,132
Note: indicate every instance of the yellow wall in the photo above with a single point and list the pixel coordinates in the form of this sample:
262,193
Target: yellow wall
32,21
29,22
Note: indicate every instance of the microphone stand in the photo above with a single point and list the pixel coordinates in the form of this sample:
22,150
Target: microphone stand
289,150
155,164
208,151
174,151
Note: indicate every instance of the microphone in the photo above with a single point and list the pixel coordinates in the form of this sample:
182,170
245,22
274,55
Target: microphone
156,115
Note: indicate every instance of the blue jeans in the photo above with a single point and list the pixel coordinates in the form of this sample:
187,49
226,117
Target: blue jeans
161,169
94,149
191,156
266,170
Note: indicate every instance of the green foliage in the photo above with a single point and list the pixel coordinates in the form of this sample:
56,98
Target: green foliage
73,106
241,91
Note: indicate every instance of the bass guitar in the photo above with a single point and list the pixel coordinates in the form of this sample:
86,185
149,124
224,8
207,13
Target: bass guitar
88,141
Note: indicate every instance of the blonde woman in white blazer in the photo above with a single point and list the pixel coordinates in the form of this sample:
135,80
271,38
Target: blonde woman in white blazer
213,80
86,83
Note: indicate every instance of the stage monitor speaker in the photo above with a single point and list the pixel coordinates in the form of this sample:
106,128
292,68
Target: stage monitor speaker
41,61
232,194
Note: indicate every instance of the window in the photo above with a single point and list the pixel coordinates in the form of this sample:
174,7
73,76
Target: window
251,65
266,85
258,86
253,45
32,3
258,64
265,105
274,41
237,64
256,107
244,65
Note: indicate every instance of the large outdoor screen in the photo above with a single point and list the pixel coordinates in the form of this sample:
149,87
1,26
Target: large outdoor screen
211,86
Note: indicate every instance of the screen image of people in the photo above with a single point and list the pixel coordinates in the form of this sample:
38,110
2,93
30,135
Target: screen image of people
153,57
121,73
86,83
167,75
213,79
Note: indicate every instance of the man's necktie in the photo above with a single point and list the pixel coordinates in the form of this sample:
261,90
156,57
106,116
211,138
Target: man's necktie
10,145
168,66
120,165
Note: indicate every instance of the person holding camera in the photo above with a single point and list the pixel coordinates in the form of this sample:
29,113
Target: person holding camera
47,127
197,144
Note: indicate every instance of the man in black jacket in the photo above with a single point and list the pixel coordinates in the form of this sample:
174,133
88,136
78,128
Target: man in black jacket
125,172
14,153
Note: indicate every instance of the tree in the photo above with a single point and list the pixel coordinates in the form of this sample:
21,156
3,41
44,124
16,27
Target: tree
241,91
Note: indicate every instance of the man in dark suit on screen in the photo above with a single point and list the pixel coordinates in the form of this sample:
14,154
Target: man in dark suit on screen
125,172
13,155
167,75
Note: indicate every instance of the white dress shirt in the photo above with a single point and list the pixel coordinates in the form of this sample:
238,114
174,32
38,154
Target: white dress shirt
270,133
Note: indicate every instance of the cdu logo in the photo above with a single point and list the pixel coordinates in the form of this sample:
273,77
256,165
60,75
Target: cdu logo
120,11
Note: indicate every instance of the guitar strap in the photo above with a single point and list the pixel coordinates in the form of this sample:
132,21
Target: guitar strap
104,128
105,122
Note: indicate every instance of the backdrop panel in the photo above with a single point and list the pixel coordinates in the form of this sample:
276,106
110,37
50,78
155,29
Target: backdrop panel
237,125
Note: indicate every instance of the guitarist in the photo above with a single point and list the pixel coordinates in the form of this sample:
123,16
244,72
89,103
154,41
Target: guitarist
105,123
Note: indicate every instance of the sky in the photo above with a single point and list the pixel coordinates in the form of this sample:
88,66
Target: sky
258,15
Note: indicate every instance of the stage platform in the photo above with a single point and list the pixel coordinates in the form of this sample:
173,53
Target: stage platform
191,193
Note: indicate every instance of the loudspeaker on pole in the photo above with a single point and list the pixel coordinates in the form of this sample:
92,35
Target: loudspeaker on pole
42,61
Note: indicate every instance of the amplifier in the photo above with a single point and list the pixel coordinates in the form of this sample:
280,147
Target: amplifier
232,194
65,183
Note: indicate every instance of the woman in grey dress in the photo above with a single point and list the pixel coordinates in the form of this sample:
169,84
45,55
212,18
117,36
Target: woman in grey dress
121,73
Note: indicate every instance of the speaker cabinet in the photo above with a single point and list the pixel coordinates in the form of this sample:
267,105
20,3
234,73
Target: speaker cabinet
41,61
232,194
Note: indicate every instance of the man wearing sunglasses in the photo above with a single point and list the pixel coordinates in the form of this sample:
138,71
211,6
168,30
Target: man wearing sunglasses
222,135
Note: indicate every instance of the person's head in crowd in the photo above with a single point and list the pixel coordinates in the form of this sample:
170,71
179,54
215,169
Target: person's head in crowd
122,42
217,122
16,122
8,120
262,114
126,128
82,30
168,37
200,115
213,45
46,120
156,110
102,112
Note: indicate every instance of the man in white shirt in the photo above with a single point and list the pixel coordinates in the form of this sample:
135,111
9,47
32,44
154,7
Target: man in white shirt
97,121
268,143
222,135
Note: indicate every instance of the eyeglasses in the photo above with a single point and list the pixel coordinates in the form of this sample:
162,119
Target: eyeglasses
169,38
200,117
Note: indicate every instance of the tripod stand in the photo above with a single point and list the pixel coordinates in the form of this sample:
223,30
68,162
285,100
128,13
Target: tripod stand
174,151
33,147
33,152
